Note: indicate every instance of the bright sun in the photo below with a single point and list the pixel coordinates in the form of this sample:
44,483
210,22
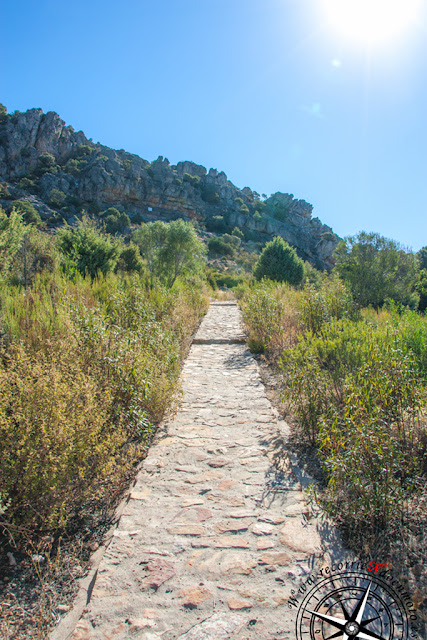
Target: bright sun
372,21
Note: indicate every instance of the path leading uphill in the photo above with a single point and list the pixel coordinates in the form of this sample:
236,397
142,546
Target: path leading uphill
216,531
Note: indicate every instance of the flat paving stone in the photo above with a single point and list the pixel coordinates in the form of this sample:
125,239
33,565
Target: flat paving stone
215,513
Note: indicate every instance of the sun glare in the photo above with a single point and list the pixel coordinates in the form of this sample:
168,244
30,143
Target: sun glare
372,21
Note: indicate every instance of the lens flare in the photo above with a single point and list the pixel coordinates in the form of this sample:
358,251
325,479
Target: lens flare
372,21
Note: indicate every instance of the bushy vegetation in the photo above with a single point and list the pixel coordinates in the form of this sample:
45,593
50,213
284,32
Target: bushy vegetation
87,250
11,233
225,279
330,299
377,269
89,361
279,261
115,221
57,198
87,369
357,393
224,245
170,249
421,289
264,311
209,194
216,223
238,233
193,180
354,384
4,190
422,258
27,211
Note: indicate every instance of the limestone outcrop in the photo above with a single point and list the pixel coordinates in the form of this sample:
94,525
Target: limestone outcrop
63,173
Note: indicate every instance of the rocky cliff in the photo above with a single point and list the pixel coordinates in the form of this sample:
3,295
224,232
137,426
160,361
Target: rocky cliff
62,173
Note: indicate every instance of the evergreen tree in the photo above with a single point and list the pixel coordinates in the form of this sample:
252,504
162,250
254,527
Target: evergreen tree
279,261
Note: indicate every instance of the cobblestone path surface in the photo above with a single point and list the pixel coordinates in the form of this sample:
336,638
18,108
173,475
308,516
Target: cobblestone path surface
216,531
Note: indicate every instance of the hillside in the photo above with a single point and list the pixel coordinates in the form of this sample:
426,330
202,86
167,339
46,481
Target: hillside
62,173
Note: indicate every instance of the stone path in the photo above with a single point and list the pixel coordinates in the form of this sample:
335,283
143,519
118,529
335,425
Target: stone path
216,531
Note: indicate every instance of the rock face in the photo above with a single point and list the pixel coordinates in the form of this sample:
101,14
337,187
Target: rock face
62,172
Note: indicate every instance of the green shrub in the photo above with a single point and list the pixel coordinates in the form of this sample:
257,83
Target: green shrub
257,216
238,233
231,239
279,261
75,166
75,201
57,198
328,236
332,299
4,190
228,280
377,269
258,205
356,394
28,212
209,194
171,250
46,163
312,276
84,150
411,334
221,247
421,289
263,313
370,448
87,250
37,253
280,212
12,231
46,160
316,368
210,277
216,223
28,184
244,209
422,258
193,180
115,221
130,259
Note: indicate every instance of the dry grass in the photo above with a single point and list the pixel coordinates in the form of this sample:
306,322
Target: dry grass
222,296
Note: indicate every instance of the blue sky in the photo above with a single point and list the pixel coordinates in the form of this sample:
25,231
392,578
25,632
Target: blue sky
268,91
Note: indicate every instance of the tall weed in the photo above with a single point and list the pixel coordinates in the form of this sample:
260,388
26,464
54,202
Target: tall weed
271,317
319,305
